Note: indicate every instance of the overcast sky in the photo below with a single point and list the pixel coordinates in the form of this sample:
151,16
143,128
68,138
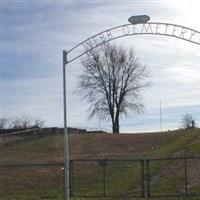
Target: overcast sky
34,33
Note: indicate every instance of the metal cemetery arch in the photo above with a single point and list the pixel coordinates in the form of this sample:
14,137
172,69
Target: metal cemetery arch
151,28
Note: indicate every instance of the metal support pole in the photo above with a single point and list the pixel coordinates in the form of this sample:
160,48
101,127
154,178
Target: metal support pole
147,189
104,179
161,128
71,177
66,142
148,179
186,181
142,178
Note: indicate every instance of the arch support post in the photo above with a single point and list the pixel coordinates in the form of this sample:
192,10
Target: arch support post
66,139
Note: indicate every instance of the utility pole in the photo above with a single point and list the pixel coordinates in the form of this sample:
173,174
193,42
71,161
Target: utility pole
161,129
66,136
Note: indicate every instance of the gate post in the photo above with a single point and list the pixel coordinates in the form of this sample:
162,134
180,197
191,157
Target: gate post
186,181
142,179
71,178
103,164
146,178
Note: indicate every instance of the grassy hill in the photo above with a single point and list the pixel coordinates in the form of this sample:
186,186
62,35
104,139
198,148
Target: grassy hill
43,183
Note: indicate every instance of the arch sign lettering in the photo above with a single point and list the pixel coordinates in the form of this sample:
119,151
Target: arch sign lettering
151,28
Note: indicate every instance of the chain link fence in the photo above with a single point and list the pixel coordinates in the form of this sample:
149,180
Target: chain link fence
167,177
32,181
124,179
107,178
174,177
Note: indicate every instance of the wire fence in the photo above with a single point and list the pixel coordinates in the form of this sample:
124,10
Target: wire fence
32,181
106,178
174,177
167,177
146,178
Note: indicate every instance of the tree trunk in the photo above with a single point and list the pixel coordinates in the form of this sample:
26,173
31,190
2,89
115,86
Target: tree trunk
115,126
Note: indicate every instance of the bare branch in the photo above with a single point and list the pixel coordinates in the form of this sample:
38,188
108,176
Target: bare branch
188,122
112,82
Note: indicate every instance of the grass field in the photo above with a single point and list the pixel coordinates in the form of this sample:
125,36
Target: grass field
47,183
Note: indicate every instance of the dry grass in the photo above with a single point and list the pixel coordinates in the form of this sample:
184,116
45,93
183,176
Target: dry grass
28,184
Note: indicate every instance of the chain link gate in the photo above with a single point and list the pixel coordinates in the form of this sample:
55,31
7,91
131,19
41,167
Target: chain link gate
149,178
107,178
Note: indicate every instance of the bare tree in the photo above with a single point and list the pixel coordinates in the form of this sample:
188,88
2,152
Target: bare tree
188,122
112,82
3,123
38,123
26,122
15,123
19,123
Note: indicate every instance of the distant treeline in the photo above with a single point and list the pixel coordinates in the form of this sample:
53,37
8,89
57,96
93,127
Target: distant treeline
20,123
44,131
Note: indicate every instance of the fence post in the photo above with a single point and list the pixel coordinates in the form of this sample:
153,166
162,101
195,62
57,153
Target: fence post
103,164
148,179
142,179
104,177
71,178
145,178
146,184
186,183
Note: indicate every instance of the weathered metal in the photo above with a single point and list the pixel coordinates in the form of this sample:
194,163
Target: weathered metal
151,28
139,19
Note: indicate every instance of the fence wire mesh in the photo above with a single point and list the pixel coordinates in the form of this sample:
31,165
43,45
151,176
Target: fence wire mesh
31,182
106,178
123,179
174,177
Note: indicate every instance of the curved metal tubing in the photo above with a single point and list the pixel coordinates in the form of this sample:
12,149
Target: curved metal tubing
151,28
107,36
